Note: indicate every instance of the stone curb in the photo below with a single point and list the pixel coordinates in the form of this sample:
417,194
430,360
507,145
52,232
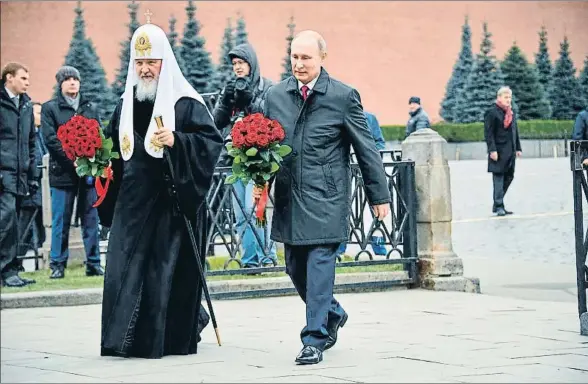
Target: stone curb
219,289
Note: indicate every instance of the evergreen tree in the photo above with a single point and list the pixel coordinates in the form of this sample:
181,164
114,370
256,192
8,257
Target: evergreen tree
287,63
543,64
566,99
118,86
198,67
584,80
461,71
172,37
224,72
82,55
523,79
482,84
240,32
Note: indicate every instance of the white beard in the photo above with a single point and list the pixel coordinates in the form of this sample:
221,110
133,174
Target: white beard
146,90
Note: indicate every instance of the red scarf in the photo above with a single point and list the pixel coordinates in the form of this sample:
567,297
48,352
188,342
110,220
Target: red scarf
507,113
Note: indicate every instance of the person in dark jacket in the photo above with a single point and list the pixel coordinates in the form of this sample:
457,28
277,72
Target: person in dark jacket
64,182
322,117
18,172
504,146
33,203
418,117
232,104
374,125
581,131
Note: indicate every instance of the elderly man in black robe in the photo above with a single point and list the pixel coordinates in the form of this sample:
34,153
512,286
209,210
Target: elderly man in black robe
152,288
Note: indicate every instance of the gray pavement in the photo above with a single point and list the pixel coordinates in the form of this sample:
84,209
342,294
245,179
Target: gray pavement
528,255
397,336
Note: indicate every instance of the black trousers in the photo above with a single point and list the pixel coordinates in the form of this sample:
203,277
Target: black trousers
312,270
501,183
9,212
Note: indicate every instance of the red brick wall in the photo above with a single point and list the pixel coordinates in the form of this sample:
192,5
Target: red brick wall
388,50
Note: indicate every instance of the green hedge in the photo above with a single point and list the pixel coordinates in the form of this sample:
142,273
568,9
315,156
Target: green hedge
460,133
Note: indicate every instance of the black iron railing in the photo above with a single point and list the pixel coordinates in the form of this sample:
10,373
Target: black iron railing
579,153
397,233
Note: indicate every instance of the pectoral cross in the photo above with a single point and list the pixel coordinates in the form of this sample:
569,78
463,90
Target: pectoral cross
148,15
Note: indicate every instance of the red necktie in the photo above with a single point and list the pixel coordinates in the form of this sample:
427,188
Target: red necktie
304,90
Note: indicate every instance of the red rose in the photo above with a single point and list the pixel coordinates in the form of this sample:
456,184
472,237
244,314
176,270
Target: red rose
238,141
251,139
96,142
263,140
69,152
93,132
278,134
90,151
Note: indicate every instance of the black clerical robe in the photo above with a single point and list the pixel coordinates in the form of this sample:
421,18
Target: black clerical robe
152,289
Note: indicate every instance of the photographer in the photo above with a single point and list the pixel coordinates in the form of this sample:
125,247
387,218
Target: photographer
241,97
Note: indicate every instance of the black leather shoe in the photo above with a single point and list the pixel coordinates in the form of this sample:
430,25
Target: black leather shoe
309,355
333,329
13,281
94,270
508,212
57,273
500,212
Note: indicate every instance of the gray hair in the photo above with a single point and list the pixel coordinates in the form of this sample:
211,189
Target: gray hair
503,89
322,44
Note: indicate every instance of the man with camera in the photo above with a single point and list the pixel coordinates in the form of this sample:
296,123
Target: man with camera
241,97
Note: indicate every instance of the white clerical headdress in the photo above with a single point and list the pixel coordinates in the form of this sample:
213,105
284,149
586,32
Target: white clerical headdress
150,42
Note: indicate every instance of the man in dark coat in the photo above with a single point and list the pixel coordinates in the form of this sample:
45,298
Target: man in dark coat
33,203
418,117
581,132
152,289
65,184
504,146
234,103
18,171
322,118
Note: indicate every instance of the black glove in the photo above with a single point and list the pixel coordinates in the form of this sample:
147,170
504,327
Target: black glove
33,186
244,98
229,93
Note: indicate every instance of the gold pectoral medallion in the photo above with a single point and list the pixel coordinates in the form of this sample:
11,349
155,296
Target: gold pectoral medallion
155,145
126,145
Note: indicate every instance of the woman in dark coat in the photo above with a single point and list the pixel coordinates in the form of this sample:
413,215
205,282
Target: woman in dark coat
504,146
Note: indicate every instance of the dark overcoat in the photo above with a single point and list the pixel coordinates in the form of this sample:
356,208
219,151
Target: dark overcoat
312,188
505,141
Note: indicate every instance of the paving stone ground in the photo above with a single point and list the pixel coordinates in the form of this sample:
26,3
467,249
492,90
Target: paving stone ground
396,336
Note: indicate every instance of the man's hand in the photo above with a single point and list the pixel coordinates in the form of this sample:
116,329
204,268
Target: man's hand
494,155
257,192
585,162
164,136
381,210
519,153
33,186
229,93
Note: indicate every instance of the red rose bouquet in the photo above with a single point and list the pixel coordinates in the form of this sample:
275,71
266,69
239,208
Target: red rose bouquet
257,154
84,143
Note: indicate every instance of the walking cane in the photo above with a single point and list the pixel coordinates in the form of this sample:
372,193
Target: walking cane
159,121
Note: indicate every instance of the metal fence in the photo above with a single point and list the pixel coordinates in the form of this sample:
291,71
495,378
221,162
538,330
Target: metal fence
398,231
579,152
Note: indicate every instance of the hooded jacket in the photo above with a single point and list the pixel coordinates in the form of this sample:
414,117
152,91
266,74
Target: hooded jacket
258,85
